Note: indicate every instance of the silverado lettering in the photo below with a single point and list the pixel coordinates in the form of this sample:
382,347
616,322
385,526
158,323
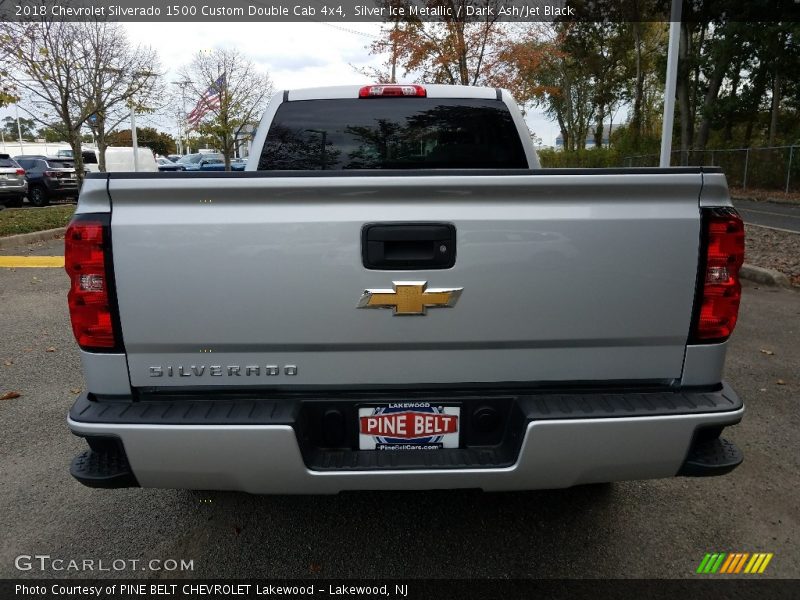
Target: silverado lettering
219,370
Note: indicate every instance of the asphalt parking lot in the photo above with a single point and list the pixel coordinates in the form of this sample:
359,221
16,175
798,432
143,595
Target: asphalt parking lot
785,217
634,529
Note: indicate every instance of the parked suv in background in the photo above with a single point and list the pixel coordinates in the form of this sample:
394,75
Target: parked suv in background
218,164
91,158
48,179
165,164
13,185
196,162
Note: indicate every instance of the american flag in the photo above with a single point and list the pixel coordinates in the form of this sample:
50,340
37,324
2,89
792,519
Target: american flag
210,100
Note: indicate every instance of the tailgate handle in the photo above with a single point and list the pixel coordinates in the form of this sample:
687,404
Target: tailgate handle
408,246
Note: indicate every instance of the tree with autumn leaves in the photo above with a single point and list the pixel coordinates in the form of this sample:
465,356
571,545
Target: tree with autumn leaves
578,73
454,51
7,89
585,71
737,83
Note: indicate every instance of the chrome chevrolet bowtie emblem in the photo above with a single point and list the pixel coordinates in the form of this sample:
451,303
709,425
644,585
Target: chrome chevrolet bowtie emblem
410,298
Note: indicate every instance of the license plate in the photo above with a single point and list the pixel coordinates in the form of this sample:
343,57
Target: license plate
3,176
72,176
408,426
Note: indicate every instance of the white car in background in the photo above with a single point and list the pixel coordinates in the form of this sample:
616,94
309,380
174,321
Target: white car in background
117,159
91,158
121,159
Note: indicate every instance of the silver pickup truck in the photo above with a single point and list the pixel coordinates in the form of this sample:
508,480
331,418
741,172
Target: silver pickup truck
394,295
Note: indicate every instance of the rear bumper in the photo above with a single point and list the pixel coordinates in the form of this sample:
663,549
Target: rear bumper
13,190
58,191
564,440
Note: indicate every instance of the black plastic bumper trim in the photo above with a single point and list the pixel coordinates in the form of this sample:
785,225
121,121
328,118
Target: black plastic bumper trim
107,469
217,409
711,458
629,404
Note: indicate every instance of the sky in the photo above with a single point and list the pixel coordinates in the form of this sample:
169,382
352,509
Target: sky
295,55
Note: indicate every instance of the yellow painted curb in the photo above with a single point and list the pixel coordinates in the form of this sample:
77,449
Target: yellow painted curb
35,262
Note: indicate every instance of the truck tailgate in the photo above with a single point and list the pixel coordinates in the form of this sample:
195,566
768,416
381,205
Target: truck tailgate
565,277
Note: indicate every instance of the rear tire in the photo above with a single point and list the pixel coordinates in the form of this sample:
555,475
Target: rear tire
38,196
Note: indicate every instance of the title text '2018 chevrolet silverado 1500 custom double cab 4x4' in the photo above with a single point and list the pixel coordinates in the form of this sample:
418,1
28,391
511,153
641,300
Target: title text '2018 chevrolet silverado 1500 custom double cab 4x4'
395,296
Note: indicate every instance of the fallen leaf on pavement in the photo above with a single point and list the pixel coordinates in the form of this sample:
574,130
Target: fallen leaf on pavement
780,382
767,352
75,391
9,395
8,363
50,349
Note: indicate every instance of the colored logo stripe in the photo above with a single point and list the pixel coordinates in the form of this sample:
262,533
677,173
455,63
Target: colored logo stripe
703,563
711,563
727,564
734,562
737,563
758,563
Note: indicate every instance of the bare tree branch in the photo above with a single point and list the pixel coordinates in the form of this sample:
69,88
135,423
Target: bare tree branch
79,71
243,93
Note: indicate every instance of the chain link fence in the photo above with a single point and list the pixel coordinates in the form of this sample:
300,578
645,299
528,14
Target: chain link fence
769,168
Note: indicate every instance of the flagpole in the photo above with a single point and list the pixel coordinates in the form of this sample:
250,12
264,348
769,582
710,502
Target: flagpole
671,83
134,139
210,100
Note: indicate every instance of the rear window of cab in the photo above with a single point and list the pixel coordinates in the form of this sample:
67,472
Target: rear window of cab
392,133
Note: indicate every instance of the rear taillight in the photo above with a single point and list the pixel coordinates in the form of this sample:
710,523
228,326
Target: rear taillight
392,91
719,288
88,264
20,171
